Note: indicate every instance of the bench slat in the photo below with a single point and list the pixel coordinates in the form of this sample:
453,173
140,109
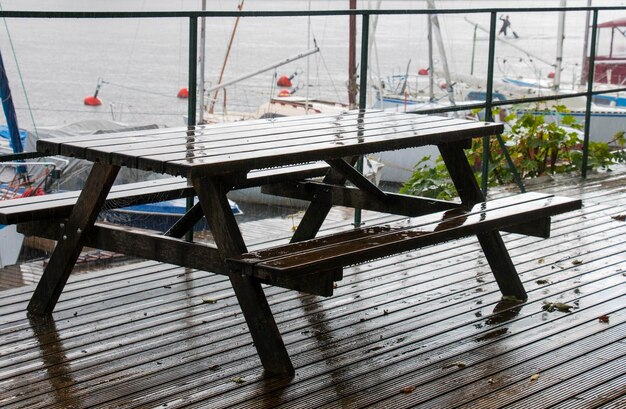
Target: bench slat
352,197
365,244
59,205
139,243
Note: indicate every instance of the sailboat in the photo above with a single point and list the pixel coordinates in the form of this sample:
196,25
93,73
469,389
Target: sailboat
608,112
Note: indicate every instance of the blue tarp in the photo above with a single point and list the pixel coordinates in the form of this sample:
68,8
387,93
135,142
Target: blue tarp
5,134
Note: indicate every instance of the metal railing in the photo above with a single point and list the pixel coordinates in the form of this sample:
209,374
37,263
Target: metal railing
365,16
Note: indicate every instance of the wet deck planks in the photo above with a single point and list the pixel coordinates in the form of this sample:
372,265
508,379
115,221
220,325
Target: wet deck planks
425,329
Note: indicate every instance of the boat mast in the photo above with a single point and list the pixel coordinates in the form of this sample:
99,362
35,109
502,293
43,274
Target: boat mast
308,62
583,71
373,50
559,47
230,44
201,54
352,59
431,69
442,51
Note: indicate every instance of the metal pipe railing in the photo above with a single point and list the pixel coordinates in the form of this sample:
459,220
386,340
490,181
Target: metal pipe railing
192,101
592,60
365,33
193,16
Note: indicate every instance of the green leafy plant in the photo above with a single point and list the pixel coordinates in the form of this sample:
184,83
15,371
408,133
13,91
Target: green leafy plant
430,181
536,145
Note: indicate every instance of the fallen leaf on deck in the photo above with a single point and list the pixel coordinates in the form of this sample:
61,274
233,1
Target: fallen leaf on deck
541,261
457,364
604,318
556,306
620,217
209,301
542,282
577,262
237,379
534,377
408,389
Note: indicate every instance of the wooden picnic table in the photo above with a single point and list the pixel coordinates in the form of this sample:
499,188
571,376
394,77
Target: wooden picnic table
219,158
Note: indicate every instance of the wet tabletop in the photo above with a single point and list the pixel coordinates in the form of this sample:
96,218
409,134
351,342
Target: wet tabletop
242,146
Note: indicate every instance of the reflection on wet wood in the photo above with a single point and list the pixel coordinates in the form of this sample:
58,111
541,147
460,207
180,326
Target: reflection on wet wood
423,329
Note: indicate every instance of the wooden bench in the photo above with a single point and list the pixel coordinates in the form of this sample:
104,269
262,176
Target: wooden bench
59,205
312,266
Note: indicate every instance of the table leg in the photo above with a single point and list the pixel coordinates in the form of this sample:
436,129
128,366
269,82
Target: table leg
70,243
254,305
185,223
493,247
317,211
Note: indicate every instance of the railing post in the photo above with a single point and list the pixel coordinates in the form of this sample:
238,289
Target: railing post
473,49
489,100
364,61
191,101
590,77
193,71
489,117
365,32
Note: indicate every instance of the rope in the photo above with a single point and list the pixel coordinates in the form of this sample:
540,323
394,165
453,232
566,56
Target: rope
19,73
137,89
328,71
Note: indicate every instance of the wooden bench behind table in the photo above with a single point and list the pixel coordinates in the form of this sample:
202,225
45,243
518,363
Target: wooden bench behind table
43,215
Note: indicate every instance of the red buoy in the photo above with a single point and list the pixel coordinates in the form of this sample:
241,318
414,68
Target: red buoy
284,81
183,93
92,101
284,93
551,74
423,71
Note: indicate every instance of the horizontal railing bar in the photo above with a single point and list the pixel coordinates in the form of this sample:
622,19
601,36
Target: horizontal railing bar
292,13
495,103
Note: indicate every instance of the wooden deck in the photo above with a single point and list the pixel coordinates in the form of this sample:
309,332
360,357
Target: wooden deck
423,329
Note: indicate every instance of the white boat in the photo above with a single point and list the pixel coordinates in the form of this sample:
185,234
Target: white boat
297,105
412,93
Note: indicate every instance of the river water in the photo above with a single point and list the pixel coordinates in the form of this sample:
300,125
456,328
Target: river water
53,65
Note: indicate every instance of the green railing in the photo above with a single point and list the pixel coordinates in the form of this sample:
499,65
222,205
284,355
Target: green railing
365,16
